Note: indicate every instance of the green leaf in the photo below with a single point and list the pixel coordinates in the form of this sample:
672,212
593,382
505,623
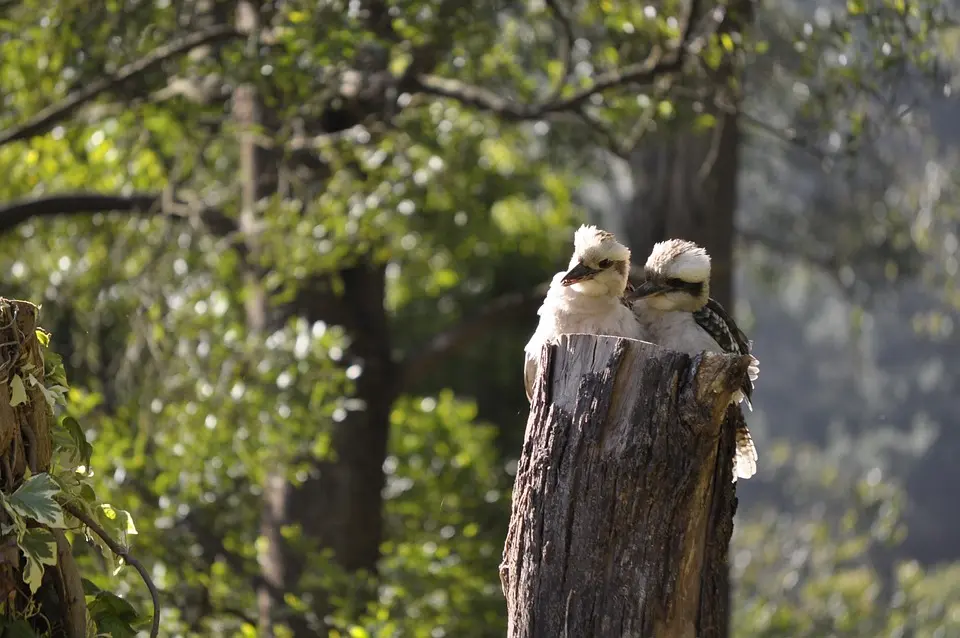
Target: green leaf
704,122
855,7
39,547
18,393
79,438
89,587
43,337
120,519
53,371
727,42
53,394
17,628
109,558
119,524
116,628
109,604
554,70
34,500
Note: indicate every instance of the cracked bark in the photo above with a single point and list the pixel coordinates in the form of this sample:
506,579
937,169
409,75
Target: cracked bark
623,504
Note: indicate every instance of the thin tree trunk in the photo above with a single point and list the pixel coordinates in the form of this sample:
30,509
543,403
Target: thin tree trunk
623,502
254,186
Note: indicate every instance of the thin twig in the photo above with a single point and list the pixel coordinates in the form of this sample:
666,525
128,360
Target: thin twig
123,553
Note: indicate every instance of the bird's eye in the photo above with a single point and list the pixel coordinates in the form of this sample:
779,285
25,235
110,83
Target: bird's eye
606,263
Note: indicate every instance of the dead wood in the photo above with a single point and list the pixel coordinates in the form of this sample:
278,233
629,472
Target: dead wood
623,503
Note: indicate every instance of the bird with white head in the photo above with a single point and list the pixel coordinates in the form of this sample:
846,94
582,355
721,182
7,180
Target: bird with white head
677,277
587,298
599,265
674,307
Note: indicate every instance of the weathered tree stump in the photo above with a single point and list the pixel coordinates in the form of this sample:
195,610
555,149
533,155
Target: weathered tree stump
623,503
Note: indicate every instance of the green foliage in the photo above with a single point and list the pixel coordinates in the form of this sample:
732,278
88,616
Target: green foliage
179,410
113,615
831,567
444,502
35,507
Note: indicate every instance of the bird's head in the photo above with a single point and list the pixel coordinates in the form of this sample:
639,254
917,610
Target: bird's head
599,264
677,276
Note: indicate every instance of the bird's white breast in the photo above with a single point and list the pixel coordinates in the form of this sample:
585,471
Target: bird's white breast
675,330
565,311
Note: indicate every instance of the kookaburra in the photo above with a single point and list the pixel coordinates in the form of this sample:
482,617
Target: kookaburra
675,310
587,298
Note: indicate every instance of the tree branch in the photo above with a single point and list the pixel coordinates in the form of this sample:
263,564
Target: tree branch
123,553
51,116
17,212
423,360
657,64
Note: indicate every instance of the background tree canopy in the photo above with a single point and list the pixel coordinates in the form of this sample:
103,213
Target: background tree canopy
290,252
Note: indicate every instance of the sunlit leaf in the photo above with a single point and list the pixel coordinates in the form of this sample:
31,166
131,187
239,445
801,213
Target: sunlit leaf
34,500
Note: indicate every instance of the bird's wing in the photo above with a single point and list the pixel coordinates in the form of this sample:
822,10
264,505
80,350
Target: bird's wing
714,319
721,326
728,335
529,374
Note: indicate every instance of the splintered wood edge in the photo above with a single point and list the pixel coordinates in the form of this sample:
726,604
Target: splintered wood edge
583,356
713,377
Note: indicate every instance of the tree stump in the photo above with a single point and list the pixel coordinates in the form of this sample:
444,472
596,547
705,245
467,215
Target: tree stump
623,503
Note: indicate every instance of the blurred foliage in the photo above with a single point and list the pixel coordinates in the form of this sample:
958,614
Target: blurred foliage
838,576
464,199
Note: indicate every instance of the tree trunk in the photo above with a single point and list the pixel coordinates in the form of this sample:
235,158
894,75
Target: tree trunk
26,442
257,167
685,181
623,502
686,187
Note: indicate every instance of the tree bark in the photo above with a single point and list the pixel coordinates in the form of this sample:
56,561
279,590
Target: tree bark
686,187
26,443
624,501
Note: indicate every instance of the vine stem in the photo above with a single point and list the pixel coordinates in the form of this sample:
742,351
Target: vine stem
123,553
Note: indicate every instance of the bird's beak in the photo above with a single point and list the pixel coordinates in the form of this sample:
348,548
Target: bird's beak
648,288
579,272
